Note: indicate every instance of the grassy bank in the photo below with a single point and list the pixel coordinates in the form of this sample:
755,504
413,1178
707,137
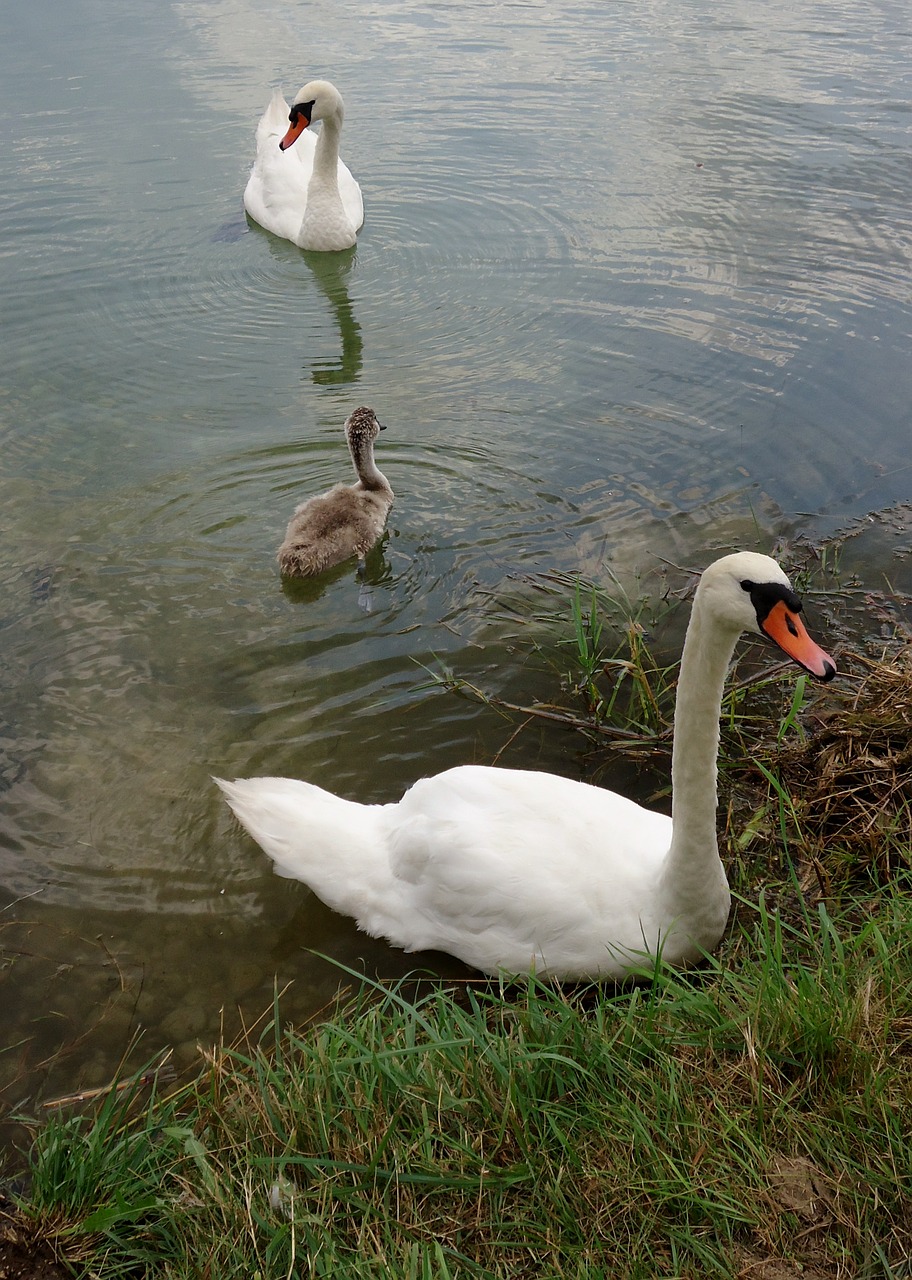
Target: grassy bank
694,1125
751,1118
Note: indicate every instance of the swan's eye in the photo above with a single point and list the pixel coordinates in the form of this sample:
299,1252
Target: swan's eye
299,109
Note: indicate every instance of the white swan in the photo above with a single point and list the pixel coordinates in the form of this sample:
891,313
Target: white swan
512,870
303,192
348,519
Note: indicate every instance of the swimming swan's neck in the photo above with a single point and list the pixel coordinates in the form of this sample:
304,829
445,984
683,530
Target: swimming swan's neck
693,869
326,152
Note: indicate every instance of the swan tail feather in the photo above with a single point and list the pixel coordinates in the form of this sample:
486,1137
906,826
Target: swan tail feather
337,847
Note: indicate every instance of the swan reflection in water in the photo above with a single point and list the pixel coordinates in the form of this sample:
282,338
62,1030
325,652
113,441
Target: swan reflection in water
330,272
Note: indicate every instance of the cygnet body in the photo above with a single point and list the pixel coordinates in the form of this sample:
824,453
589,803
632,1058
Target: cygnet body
348,519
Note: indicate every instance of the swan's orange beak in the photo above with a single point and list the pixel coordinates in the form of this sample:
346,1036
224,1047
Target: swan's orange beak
785,628
298,125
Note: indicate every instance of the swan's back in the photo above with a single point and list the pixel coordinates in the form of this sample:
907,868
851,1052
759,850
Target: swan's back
273,123
517,869
276,191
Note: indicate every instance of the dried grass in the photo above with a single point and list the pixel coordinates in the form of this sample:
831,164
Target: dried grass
850,778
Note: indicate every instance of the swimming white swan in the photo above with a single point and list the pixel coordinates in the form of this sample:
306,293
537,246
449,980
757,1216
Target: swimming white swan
513,870
298,188
348,519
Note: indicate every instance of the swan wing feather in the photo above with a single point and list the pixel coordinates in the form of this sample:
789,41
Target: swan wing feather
495,859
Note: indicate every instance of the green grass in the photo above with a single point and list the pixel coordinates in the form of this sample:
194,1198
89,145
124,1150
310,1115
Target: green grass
684,1126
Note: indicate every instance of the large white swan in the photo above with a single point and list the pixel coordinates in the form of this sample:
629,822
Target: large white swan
512,870
298,188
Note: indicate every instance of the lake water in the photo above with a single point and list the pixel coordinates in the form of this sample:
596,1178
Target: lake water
634,283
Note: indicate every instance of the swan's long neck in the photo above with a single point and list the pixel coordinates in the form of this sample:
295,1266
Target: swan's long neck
326,152
693,867
367,471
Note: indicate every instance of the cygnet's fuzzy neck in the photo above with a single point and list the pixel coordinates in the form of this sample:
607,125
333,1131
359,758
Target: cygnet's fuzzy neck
361,430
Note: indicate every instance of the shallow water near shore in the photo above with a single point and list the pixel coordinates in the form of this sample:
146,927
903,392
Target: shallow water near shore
631,288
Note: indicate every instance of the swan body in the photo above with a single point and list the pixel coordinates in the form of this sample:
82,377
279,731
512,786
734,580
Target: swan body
348,519
298,188
514,871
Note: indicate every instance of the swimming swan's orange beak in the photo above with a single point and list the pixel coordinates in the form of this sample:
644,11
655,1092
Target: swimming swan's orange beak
785,628
298,126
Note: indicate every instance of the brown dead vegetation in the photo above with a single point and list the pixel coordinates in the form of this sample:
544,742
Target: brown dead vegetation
850,778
